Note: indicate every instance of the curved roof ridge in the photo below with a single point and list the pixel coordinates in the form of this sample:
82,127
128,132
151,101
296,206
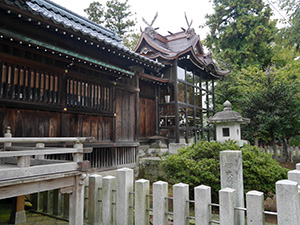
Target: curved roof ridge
76,17
60,15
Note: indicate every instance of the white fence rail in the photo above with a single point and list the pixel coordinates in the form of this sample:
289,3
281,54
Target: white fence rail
121,205
277,153
119,200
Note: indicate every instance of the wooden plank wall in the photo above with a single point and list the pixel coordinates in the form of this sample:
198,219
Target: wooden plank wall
125,116
147,119
37,123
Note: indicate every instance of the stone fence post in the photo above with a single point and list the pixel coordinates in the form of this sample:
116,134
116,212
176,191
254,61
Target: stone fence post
232,177
287,198
255,208
142,188
202,205
95,182
160,203
180,203
124,188
227,199
109,184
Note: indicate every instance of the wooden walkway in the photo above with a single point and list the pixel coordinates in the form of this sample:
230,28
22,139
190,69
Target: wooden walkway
26,170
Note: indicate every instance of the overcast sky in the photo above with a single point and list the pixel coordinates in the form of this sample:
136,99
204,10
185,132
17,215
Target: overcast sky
170,13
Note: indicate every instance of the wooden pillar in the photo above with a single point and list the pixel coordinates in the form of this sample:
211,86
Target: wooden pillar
201,106
207,106
18,214
62,99
214,104
157,97
114,125
137,111
174,74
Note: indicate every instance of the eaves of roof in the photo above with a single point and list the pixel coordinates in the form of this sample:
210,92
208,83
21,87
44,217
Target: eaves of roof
70,20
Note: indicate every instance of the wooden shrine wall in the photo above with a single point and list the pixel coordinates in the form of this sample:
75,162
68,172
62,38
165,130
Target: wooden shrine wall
36,102
147,109
38,123
147,121
125,116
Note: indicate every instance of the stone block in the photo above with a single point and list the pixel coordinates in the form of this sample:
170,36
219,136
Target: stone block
174,147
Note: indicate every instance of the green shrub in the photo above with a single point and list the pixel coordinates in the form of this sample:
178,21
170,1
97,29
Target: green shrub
200,164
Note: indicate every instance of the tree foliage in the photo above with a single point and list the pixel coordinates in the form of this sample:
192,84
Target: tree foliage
291,32
115,15
243,36
200,164
241,33
274,110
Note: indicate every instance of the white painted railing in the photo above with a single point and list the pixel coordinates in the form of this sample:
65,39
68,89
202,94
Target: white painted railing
113,200
277,153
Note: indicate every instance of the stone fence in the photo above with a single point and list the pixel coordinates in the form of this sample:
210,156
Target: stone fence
293,152
121,200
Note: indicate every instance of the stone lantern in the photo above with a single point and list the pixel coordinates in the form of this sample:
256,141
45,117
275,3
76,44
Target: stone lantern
228,124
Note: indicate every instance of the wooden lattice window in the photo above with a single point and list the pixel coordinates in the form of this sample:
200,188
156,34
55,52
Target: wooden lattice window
83,94
27,84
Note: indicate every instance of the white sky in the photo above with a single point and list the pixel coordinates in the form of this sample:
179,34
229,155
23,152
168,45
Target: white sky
170,13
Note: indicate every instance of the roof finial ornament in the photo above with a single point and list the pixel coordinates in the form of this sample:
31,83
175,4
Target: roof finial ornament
187,21
151,24
150,30
190,31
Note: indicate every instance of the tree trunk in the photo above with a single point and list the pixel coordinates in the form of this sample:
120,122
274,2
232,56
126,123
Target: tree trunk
285,154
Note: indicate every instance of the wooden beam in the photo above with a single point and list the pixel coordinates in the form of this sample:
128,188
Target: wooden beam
10,173
33,187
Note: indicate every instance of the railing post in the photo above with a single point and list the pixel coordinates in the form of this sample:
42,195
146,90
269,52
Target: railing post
40,146
180,204
227,198
160,203
78,157
255,208
76,216
123,199
287,198
202,205
95,182
57,202
18,214
142,202
86,198
294,175
109,184
6,135
232,177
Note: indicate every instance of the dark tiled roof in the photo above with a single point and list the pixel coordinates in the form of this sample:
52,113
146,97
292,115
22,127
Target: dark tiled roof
175,45
60,15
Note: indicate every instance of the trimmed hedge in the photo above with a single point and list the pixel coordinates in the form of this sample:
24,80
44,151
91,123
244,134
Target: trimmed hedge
200,164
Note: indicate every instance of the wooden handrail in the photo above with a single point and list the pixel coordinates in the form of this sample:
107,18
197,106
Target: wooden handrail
45,139
51,151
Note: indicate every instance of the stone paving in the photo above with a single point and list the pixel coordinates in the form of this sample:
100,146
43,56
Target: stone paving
39,219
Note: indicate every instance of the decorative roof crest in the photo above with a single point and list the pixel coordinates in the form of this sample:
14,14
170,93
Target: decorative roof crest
150,30
190,31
